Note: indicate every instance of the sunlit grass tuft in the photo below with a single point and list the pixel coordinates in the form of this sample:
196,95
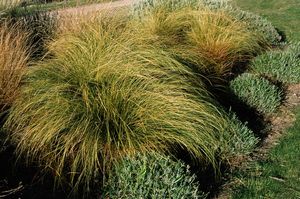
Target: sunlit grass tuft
14,57
211,42
102,96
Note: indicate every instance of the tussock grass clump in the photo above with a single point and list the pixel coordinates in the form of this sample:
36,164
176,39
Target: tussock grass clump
258,92
210,42
14,57
101,96
266,33
40,25
221,41
259,25
283,66
152,176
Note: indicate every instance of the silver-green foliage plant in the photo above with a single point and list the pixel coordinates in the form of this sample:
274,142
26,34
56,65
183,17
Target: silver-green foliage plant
152,176
257,92
242,142
171,5
281,65
142,7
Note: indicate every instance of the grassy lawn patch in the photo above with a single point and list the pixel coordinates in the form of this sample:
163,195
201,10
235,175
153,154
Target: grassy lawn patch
284,15
279,175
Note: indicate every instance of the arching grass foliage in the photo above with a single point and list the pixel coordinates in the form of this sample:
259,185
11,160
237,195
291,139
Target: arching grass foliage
101,96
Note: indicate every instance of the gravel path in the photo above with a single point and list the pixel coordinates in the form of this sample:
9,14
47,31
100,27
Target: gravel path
95,7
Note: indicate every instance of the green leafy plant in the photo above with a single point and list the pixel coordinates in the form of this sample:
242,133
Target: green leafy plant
101,96
151,176
258,92
281,65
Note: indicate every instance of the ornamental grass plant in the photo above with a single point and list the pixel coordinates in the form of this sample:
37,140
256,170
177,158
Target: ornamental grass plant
14,56
254,23
211,42
101,96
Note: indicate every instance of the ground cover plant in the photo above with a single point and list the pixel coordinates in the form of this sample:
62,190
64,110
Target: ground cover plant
257,92
240,144
275,175
152,176
283,66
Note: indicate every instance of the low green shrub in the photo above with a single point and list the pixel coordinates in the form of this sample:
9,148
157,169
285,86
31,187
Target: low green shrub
283,66
143,7
258,92
100,96
151,176
240,143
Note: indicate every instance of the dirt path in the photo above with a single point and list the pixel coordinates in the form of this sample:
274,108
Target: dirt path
95,7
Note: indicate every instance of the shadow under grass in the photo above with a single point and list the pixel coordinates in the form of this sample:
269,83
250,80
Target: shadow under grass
16,175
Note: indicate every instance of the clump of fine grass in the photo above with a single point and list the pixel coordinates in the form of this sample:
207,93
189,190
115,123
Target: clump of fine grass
221,41
254,23
260,25
41,27
151,176
258,92
101,96
14,56
283,66
210,42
